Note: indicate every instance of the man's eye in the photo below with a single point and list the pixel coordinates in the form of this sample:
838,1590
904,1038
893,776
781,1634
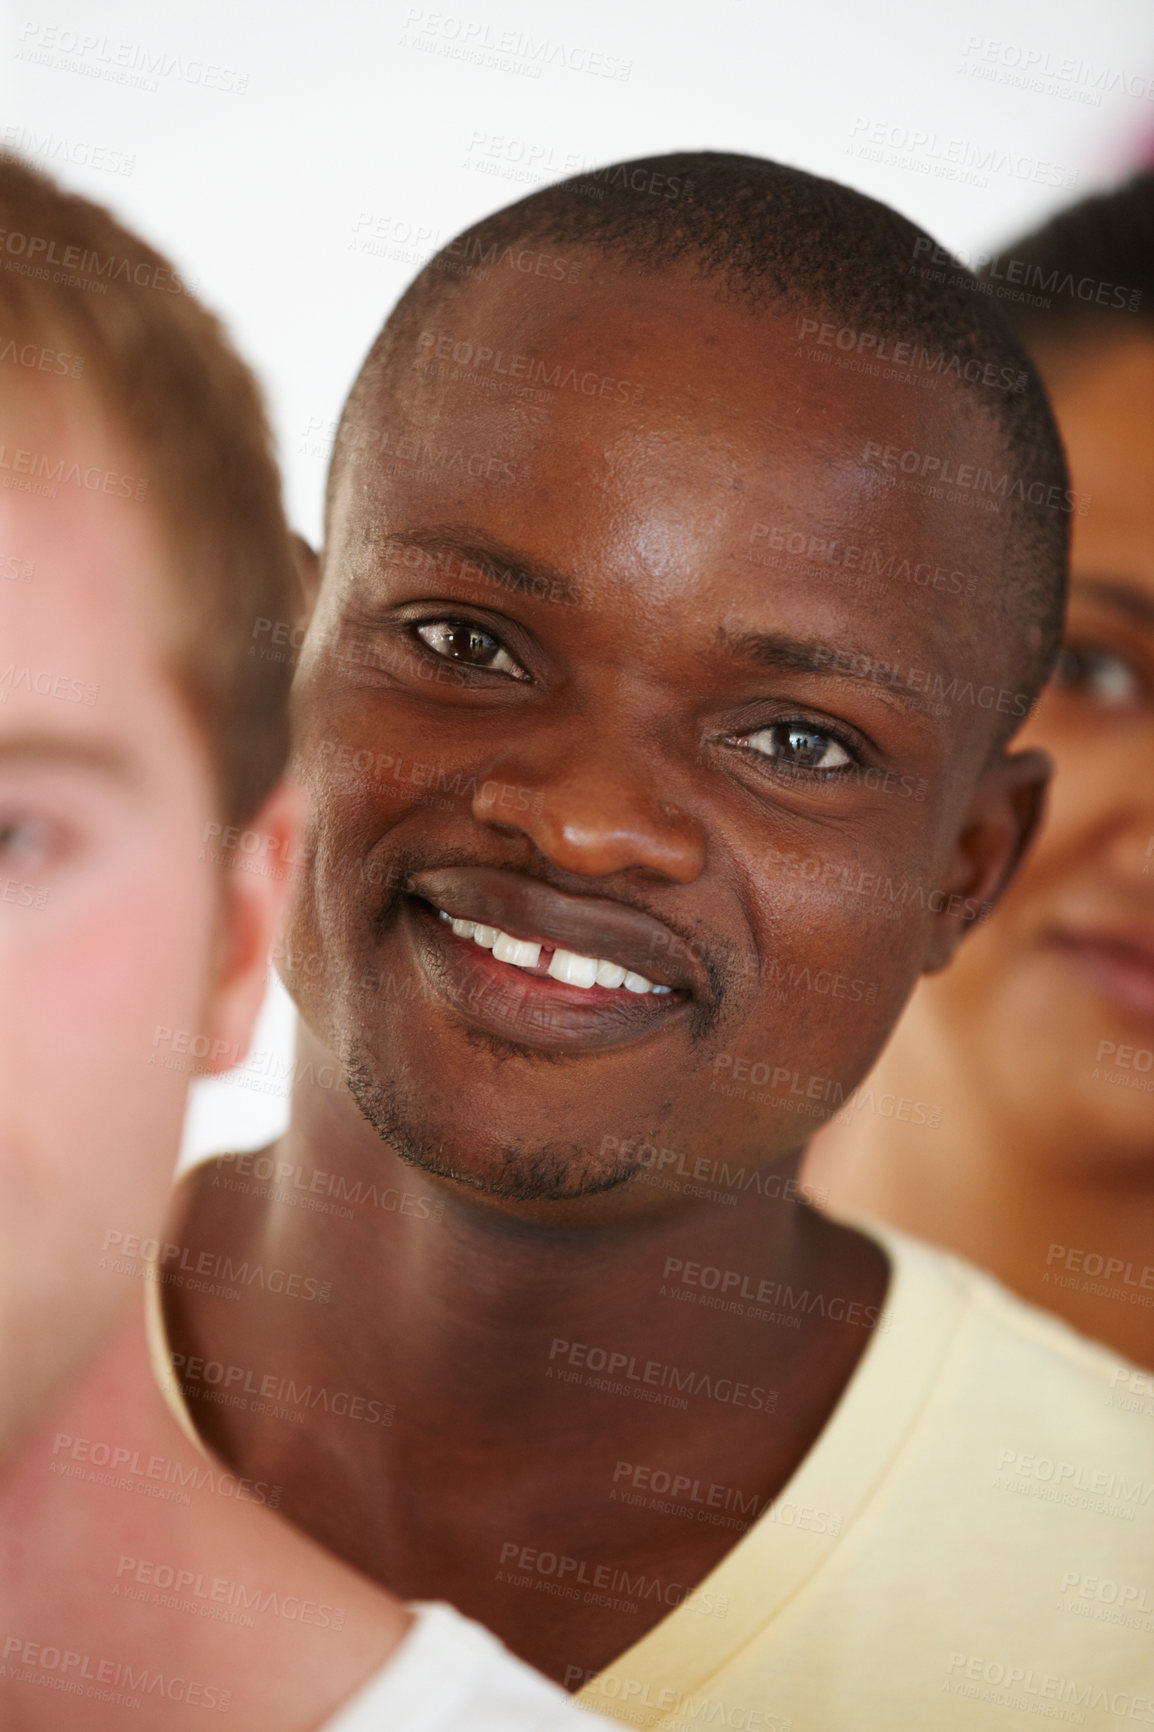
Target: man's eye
1098,674
798,746
459,640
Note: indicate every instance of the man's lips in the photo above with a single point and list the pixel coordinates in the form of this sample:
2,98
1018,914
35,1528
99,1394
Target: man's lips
588,925
526,1006
1120,967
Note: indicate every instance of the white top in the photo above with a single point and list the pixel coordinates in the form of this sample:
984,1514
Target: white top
450,1675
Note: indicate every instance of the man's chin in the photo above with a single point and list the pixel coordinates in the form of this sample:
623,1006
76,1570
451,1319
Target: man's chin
542,1173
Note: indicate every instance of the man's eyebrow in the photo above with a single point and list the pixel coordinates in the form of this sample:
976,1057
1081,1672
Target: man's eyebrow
58,751
456,548
778,653
1127,598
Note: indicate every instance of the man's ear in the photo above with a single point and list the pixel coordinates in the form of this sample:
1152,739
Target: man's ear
1004,816
308,568
255,889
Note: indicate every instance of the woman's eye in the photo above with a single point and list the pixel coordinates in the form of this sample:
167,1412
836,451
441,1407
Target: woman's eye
1098,674
798,746
459,640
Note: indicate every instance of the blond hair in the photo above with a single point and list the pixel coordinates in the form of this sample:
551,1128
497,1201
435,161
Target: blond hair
84,298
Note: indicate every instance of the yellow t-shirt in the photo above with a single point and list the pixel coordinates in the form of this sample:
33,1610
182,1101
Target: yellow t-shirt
970,1542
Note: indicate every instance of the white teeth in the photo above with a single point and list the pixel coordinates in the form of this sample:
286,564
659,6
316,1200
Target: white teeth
574,970
518,951
567,966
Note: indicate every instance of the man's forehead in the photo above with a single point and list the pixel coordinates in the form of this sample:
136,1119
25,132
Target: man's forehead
627,338
584,486
616,358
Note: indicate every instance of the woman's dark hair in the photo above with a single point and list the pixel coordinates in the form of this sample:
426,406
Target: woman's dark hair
1086,274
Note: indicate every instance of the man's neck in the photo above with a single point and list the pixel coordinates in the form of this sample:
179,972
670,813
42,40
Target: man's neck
143,1563
513,1361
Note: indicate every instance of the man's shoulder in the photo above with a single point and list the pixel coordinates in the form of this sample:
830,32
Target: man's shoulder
1012,1365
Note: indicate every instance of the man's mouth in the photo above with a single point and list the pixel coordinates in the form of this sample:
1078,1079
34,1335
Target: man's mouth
583,941
543,968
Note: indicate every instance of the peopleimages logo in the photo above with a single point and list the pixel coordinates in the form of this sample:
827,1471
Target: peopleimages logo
124,1468
42,472
535,371
953,159
1019,275
1030,67
54,147
219,1595
764,1290
608,1579
232,1384
171,1263
43,683
137,64
43,250
507,50
970,477
654,1375
1009,1683
124,1684
1076,1484
911,355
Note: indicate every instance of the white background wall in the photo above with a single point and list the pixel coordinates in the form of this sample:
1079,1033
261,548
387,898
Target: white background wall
300,160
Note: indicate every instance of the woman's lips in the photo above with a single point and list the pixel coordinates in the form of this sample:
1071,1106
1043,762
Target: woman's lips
1119,968
525,1006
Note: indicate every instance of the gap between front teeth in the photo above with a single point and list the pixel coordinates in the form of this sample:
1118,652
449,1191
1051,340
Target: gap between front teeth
565,965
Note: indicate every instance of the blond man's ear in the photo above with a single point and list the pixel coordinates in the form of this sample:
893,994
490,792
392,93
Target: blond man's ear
308,577
255,889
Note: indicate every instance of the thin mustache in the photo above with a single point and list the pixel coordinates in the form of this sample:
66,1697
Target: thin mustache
718,959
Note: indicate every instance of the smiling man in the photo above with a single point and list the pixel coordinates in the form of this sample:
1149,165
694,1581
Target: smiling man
674,609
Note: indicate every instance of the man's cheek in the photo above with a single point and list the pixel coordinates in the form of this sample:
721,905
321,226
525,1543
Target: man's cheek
839,949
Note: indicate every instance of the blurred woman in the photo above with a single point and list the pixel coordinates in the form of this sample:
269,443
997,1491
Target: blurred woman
1026,1069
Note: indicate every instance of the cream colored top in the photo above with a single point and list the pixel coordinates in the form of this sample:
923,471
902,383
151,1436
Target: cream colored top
970,1542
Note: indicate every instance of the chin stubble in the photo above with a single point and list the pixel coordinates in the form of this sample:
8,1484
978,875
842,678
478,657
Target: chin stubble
547,1172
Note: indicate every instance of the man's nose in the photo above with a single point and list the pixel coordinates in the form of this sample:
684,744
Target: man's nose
593,811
